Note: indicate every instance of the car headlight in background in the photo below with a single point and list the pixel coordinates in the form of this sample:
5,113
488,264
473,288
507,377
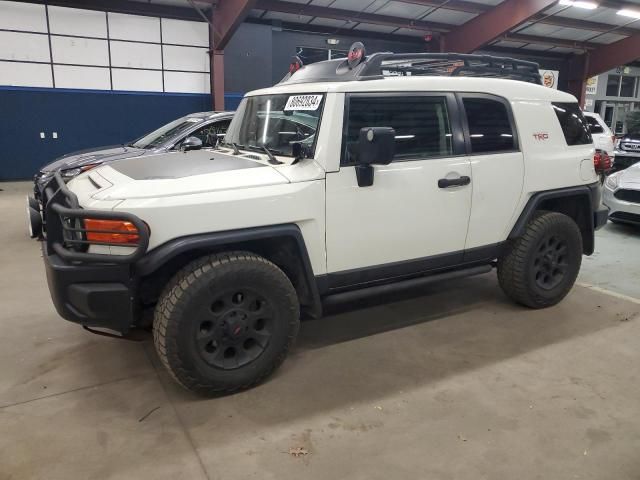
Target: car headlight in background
74,172
612,181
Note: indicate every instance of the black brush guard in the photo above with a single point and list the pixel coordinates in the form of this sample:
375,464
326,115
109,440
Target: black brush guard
66,234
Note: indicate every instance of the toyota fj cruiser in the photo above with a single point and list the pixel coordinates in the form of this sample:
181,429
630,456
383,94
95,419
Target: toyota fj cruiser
351,177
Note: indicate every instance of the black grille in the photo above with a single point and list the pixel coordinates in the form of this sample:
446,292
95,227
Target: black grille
628,195
632,147
626,217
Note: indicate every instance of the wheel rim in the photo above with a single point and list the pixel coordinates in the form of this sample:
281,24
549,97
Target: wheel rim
235,329
550,262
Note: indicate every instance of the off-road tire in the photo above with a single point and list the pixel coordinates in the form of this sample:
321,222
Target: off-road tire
186,300
517,264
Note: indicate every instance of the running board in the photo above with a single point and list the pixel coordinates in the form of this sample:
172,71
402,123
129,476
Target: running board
353,295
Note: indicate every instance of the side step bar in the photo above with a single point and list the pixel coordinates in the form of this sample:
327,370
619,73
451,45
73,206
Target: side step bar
353,295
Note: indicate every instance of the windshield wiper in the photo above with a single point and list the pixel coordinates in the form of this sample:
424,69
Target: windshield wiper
272,159
236,149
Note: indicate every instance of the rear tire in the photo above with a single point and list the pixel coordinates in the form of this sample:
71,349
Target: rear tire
225,322
539,268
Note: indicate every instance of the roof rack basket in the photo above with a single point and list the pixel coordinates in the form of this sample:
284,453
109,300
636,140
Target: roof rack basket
384,64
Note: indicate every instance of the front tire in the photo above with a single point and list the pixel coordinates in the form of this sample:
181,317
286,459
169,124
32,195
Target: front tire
539,268
225,322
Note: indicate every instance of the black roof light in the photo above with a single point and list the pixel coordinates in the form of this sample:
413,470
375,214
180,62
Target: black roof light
356,54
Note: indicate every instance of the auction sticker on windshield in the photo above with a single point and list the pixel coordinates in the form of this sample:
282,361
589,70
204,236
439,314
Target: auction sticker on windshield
303,102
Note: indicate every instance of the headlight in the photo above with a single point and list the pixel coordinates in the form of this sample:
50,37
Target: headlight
74,172
70,173
612,181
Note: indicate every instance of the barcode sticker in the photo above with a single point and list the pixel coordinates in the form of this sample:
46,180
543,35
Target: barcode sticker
303,102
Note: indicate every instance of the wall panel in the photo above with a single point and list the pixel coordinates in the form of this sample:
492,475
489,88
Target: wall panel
134,27
135,55
184,32
79,51
24,46
137,80
186,58
186,82
94,78
25,74
74,21
23,16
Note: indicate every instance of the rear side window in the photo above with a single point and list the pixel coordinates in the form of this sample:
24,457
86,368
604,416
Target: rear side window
489,126
421,124
594,126
574,125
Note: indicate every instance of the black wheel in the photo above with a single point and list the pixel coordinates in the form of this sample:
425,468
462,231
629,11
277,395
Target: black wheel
225,322
539,268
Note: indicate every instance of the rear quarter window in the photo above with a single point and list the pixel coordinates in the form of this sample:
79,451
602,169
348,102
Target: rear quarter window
574,126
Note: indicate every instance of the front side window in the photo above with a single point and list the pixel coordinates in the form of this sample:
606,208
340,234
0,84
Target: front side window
209,133
277,122
159,137
574,126
489,126
421,124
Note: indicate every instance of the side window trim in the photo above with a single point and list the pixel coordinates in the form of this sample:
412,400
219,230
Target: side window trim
460,96
453,111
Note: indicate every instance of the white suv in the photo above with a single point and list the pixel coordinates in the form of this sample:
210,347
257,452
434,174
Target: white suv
603,137
350,178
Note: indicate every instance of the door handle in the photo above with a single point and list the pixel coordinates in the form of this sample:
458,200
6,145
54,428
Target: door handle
454,182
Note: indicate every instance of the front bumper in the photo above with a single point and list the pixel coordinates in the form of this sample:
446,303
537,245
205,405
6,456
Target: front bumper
92,295
620,210
92,289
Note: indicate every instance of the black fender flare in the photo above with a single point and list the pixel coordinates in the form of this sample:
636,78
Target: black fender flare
592,196
164,253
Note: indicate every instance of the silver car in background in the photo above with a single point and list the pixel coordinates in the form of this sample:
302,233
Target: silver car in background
622,195
206,126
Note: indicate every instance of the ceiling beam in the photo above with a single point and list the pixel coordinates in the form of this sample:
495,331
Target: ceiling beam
350,15
227,17
492,24
606,57
457,5
554,42
581,24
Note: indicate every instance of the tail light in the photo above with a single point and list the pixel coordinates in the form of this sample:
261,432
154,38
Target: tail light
601,162
111,232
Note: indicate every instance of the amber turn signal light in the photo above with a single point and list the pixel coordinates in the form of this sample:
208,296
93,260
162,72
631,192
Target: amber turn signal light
111,231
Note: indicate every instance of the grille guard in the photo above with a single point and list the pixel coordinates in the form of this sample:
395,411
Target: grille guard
66,234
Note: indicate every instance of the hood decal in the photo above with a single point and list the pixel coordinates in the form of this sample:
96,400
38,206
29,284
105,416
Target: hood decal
180,165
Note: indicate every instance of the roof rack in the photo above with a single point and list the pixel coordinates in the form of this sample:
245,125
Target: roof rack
380,65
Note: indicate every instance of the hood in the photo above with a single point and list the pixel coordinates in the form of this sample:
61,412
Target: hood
631,137
182,173
630,177
92,155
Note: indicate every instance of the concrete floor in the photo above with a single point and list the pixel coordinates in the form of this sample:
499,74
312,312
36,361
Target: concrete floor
456,384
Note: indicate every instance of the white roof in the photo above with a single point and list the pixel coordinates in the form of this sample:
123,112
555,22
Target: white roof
510,89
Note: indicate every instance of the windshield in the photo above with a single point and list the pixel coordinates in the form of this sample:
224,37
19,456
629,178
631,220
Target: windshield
277,122
166,132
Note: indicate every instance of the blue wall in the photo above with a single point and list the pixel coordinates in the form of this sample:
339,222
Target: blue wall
82,119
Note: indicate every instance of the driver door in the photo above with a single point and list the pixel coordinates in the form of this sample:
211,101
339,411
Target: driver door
415,216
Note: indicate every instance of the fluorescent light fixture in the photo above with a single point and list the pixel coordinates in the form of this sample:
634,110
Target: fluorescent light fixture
579,4
629,13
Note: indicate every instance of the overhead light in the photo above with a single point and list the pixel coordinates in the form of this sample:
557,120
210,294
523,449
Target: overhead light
629,13
333,41
579,4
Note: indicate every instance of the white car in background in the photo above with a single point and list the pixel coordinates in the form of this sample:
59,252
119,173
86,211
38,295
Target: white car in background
622,195
603,137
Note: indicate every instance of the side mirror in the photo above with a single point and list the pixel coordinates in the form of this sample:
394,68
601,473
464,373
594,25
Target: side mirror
376,146
191,143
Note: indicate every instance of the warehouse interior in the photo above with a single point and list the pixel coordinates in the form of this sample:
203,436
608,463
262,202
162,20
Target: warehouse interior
446,380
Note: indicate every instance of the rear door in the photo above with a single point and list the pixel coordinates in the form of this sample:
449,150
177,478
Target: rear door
497,167
415,215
